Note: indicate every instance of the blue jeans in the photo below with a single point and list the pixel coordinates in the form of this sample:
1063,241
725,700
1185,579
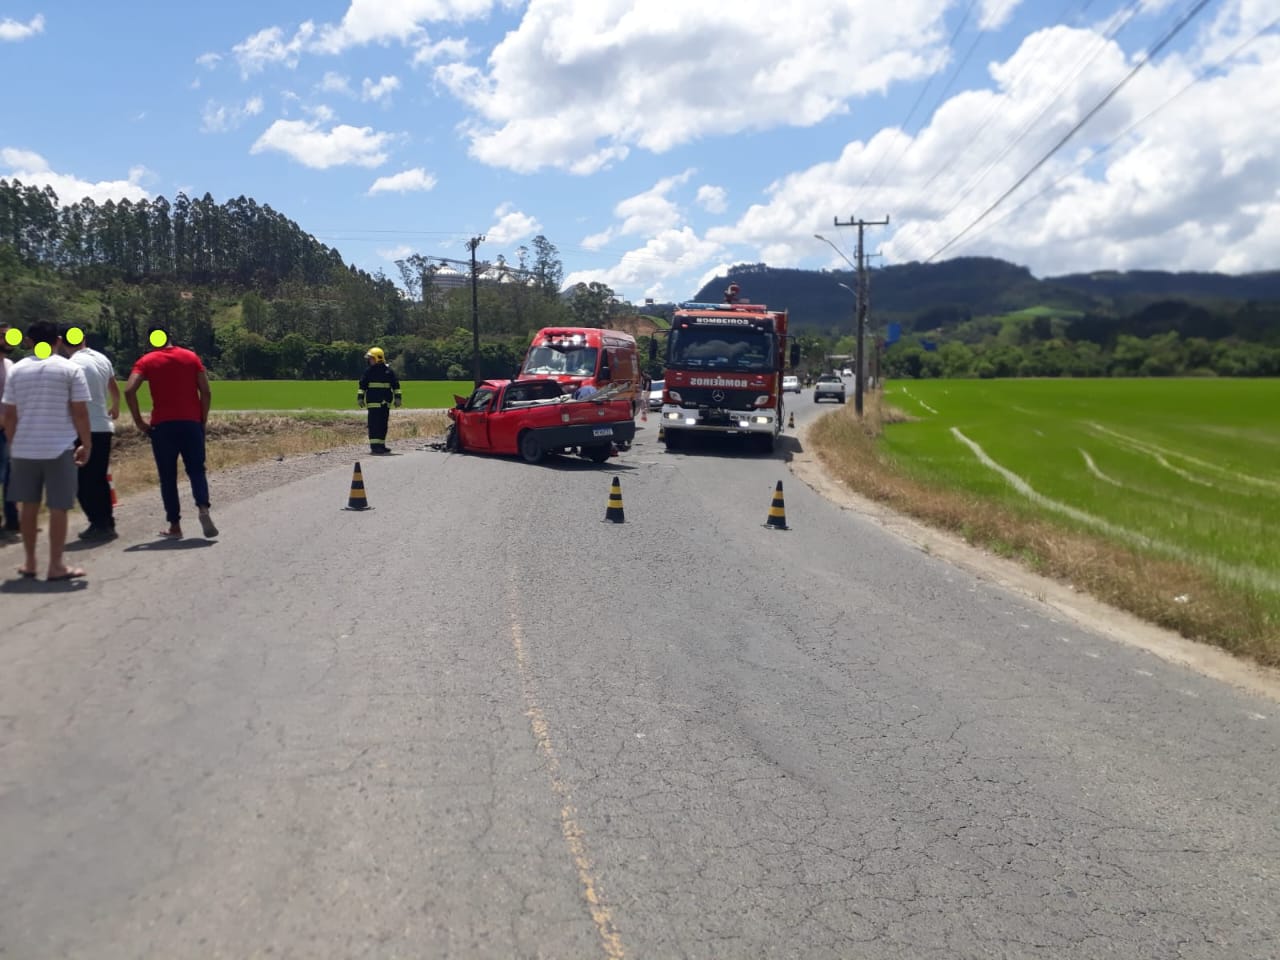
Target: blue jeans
173,439
10,508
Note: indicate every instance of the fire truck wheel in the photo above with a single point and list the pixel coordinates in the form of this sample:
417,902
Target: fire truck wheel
674,439
530,447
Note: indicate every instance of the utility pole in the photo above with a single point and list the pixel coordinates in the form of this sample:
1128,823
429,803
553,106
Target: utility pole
862,303
475,311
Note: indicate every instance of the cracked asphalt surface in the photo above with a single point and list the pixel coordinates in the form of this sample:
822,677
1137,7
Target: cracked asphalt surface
477,721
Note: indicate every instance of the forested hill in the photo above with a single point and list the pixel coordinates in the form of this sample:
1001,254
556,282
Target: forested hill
945,295
192,241
254,294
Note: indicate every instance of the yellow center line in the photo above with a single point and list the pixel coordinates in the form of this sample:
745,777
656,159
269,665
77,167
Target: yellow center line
574,837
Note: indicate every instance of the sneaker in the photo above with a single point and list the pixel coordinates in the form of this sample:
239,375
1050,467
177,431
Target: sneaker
206,525
98,534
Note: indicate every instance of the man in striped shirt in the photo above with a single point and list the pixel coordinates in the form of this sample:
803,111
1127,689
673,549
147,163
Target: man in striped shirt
45,409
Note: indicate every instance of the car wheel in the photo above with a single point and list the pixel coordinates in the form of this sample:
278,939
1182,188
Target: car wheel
452,441
530,447
841,398
598,453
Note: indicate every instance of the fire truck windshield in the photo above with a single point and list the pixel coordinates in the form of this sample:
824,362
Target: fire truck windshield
561,361
744,349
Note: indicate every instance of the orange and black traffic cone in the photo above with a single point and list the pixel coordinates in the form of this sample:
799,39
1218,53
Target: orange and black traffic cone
613,513
112,487
791,421
357,500
777,511
662,433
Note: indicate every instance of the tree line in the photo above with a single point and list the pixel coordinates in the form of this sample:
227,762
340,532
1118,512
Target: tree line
257,297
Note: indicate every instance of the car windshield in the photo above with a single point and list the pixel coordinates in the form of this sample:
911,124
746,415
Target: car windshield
828,378
657,386
746,349
561,361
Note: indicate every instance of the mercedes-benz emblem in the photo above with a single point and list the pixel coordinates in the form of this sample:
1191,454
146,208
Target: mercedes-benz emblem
717,396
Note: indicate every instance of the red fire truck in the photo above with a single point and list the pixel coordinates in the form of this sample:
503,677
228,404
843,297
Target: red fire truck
724,369
574,356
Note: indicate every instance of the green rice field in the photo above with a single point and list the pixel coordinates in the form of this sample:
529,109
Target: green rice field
304,395
1187,469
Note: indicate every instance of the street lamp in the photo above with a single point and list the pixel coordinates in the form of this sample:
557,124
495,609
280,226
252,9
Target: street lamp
818,236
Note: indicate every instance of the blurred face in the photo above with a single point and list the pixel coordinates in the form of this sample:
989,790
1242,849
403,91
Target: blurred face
4,343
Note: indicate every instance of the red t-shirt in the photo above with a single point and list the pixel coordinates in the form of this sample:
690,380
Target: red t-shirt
171,373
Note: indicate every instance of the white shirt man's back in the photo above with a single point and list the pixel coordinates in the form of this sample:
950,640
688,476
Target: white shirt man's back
43,391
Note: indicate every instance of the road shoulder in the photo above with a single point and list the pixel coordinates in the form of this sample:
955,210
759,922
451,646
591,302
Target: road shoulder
1080,608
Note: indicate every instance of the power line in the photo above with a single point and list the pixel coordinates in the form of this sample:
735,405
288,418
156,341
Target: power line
1093,154
914,106
1123,20
1150,55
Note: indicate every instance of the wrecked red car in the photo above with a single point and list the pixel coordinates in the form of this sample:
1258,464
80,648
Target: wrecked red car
536,417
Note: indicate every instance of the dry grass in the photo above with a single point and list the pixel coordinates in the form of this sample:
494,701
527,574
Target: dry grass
234,440
1114,573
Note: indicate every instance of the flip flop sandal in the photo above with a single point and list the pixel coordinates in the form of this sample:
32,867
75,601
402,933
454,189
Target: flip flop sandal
26,574
72,574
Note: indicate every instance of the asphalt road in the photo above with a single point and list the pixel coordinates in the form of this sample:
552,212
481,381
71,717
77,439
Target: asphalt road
477,721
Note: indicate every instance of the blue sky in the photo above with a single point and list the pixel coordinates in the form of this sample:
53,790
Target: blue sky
656,142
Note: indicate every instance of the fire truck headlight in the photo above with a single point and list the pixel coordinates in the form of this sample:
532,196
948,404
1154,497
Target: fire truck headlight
675,397
762,400
762,419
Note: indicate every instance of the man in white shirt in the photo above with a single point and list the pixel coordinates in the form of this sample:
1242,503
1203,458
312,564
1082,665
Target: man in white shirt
94,491
45,409
9,521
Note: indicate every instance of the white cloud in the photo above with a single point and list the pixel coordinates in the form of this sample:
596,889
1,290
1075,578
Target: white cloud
382,21
269,46
512,225
996,13
209,60
713,199
577,85
395,253
596,241
651,211
219,118
1191,187
15,30
655,267
450,48
305,142
371,90
403,182
333,82
32,169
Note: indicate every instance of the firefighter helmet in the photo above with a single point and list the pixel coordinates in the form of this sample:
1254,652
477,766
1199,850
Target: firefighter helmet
376,355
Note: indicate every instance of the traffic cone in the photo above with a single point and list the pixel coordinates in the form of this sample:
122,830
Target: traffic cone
613,513
777,511
662,432
791,421
357,500
114,501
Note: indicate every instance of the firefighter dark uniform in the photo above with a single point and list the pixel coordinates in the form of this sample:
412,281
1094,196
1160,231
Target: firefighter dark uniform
379,390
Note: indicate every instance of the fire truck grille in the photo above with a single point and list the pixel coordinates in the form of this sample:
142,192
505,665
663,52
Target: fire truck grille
717,398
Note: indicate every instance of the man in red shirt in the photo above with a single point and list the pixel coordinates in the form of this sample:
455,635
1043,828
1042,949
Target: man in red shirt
180,399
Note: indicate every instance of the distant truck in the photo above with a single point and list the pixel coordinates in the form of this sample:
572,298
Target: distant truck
534,417
573,356
724,369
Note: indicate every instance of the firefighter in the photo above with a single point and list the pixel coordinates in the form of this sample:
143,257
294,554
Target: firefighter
379,389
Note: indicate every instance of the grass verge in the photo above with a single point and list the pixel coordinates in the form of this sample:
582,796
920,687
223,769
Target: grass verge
234,440
1173,594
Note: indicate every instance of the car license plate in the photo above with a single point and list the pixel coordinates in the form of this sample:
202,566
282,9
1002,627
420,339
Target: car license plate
602,432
